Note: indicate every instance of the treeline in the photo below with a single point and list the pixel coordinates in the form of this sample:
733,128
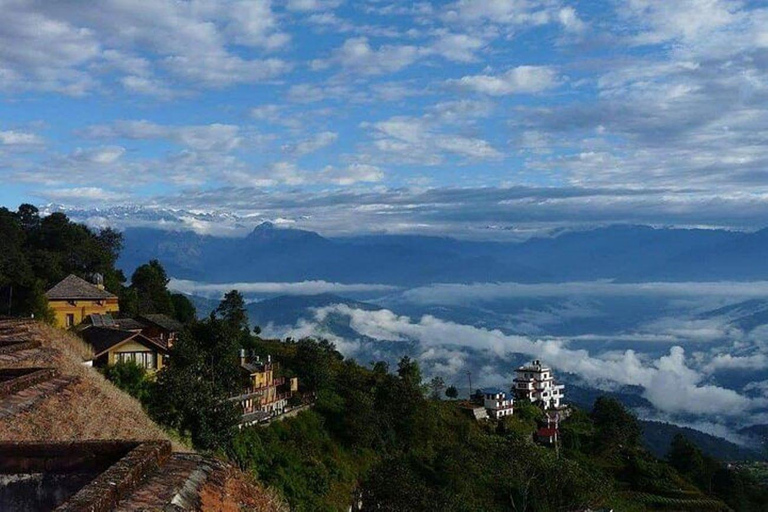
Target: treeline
39,251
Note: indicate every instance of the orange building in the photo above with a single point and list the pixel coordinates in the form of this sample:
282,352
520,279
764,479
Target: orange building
74,299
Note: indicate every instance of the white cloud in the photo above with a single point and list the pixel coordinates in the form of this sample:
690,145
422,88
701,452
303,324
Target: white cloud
458,47
312,5
103,155
63,44
211,137
17,138
668,382
418,140
519,80
315,143
357,55
273,288
454,294
88,195
730,362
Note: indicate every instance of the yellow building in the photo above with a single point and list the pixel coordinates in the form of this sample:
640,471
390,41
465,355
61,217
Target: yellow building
74,299
111,346
264,395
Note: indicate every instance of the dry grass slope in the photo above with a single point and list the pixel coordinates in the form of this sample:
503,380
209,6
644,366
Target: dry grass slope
89,408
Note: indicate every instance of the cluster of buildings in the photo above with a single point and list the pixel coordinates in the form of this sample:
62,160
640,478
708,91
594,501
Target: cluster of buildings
534,383
94,313
264,396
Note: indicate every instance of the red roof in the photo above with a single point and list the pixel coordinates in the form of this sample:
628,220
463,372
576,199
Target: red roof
546,432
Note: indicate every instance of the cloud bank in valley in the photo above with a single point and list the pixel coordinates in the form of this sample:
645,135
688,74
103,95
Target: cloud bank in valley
669,382
217,290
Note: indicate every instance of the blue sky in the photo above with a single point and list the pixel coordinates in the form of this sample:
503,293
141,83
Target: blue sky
460,117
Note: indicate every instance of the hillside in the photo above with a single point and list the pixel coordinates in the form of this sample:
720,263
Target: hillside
87,407
51,403
657,437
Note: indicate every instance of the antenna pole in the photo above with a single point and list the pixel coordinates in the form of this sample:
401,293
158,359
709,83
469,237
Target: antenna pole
469,376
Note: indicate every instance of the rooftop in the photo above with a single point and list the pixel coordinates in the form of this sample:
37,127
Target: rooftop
534,366
76,288
102,339
163,321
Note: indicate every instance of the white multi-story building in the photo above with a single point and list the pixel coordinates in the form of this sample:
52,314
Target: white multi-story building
497,403
536,383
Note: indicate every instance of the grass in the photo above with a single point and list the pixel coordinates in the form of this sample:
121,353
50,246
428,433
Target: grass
91,408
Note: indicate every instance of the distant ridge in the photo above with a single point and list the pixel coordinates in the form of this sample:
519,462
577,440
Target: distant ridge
623,253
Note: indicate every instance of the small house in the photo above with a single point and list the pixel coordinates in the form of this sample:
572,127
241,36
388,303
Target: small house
497,402
74,299
111,346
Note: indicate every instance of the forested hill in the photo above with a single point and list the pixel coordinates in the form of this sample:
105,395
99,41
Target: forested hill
398,444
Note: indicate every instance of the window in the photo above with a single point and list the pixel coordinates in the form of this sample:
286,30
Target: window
143,359
70,320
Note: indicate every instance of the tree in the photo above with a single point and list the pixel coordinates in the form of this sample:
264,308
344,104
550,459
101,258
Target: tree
315,362
192,392
232,310
183,308
131,378
29,216
615,426
409,372
452,392
436,386
687,459
150,283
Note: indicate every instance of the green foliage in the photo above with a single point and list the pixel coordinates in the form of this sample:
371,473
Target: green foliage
149,291
183,309
232,310
452,392
378,436
737,488
436,388
616,428
131,378
191,393
39,252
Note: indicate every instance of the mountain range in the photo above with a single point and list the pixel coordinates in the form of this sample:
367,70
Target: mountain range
625,253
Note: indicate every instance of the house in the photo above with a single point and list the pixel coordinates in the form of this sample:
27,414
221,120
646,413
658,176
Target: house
264,395
535,382
112,345
161,327
74,299
497,403
547,435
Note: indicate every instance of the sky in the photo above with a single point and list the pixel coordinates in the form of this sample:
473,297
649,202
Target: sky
461,117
